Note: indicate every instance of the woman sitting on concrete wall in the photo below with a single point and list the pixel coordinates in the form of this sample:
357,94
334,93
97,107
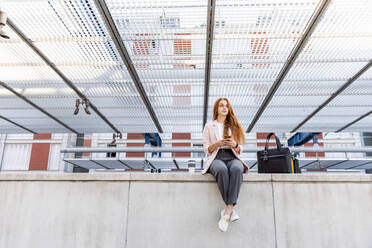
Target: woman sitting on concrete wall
223,141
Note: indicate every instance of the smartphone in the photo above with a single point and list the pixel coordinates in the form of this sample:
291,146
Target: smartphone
227,136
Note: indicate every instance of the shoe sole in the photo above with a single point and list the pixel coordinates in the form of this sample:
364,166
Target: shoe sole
235,220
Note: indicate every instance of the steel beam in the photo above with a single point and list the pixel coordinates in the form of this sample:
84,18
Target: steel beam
208,56
37,107
355,121
106,16
29,42
334,95
16,124
314,20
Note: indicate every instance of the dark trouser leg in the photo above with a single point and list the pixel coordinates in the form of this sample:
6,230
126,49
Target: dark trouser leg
235,168
219,170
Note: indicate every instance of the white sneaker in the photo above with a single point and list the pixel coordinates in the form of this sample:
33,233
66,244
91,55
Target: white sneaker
224,221
234,216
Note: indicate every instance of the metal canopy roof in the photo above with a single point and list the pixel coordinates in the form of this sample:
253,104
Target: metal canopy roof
158,66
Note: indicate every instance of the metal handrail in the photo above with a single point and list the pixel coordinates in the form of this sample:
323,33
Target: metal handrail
196,149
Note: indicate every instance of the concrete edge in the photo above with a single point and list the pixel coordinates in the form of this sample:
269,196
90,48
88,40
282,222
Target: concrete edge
308,177
184,177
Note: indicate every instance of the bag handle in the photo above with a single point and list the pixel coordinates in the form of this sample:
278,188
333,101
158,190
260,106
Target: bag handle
278,144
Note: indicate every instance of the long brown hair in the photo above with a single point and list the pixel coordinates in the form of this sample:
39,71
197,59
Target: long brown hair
231,121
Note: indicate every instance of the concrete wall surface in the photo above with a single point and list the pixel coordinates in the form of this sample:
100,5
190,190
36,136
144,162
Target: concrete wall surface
144,210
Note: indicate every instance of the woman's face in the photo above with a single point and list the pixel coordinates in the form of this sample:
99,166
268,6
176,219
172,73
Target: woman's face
222,108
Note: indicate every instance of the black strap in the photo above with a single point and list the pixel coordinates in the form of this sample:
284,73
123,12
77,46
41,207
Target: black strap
278,144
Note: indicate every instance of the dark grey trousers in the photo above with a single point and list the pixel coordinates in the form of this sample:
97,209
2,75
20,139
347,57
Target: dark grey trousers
228,171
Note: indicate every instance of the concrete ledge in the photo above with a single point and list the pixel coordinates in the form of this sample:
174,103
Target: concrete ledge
167,210
308,177
183,177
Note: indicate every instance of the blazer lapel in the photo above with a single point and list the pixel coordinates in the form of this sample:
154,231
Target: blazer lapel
215,129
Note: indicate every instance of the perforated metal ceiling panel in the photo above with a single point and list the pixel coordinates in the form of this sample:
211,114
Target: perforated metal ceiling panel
72,35
166,41
339,47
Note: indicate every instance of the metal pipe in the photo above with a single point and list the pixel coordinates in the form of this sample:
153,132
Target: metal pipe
195,149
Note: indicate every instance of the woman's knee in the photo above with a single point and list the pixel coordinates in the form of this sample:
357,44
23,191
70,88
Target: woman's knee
236,166
219,167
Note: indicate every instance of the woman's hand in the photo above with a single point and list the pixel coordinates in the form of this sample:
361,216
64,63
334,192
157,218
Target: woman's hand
229,142
225,142
216,145
220,143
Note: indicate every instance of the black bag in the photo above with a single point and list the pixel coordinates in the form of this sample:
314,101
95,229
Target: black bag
275,160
